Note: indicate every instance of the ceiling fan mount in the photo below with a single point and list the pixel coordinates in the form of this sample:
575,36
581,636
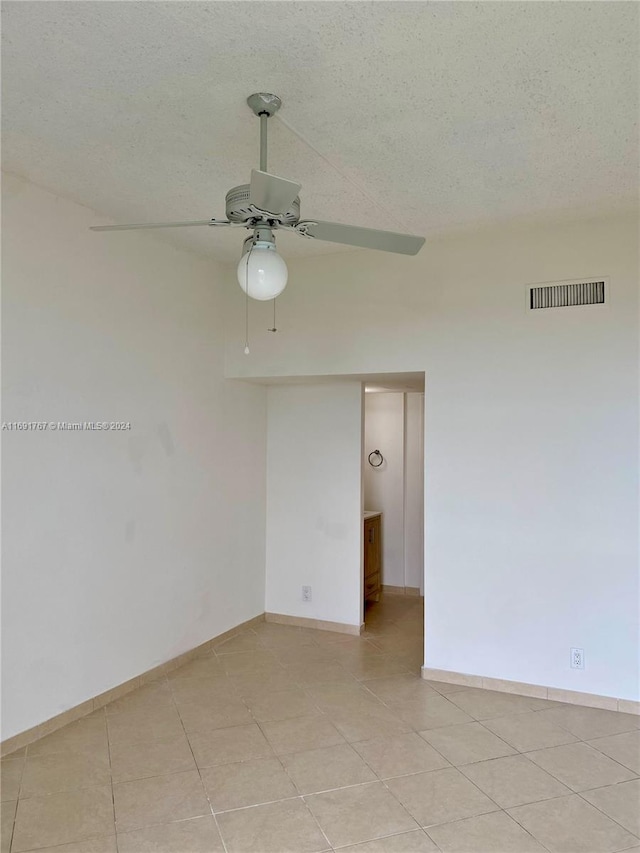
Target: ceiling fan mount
263,103
269,203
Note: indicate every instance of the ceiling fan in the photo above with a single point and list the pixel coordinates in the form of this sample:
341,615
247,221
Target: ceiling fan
270,203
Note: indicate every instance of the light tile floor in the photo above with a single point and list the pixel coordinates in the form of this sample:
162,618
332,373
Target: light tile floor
287,740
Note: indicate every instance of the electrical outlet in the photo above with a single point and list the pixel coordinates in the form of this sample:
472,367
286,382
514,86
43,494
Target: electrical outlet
306,593
577,658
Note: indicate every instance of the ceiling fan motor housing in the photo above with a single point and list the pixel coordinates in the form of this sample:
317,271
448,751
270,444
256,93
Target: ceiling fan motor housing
240,210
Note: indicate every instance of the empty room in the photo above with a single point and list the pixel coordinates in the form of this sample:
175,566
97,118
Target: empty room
320,426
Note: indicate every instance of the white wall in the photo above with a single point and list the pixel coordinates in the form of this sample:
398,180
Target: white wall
120,549
531,424
414,491
384,486
314,501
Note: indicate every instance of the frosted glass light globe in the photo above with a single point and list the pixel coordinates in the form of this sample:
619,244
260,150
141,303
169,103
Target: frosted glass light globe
264,271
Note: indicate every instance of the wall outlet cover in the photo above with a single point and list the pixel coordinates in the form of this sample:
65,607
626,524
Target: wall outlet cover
306,593
577,658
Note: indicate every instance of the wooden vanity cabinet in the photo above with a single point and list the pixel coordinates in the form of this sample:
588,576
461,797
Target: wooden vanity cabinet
372,558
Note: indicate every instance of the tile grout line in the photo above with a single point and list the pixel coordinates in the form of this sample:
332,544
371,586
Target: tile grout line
15,814
513,817
314,818
386,787
593,805
280,761
411,817
257,723
113,797
420,829
278,757
204,788
500,811
570,791
66,790
456,767
378,778
630,769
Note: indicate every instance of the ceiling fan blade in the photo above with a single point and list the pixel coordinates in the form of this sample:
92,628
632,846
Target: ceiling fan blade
366,238
270,193
160,225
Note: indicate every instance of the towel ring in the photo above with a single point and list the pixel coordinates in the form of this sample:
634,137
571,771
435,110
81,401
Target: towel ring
380,457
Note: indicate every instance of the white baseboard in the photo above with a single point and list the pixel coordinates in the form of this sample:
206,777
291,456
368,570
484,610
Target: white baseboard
400,590
316,624
537,691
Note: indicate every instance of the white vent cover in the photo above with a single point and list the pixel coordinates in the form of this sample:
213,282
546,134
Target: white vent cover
567,294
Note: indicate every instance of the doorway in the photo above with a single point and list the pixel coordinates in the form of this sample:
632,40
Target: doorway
393,491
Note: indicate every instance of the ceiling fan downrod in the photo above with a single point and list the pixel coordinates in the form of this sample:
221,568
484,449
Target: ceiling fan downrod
264,105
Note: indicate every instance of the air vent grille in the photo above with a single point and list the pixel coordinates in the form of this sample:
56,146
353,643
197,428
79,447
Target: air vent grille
567,295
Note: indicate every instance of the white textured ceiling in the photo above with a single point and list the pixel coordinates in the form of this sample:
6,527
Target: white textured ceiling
422,117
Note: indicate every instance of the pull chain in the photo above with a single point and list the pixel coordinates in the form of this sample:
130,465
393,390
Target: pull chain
274,318
246,305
